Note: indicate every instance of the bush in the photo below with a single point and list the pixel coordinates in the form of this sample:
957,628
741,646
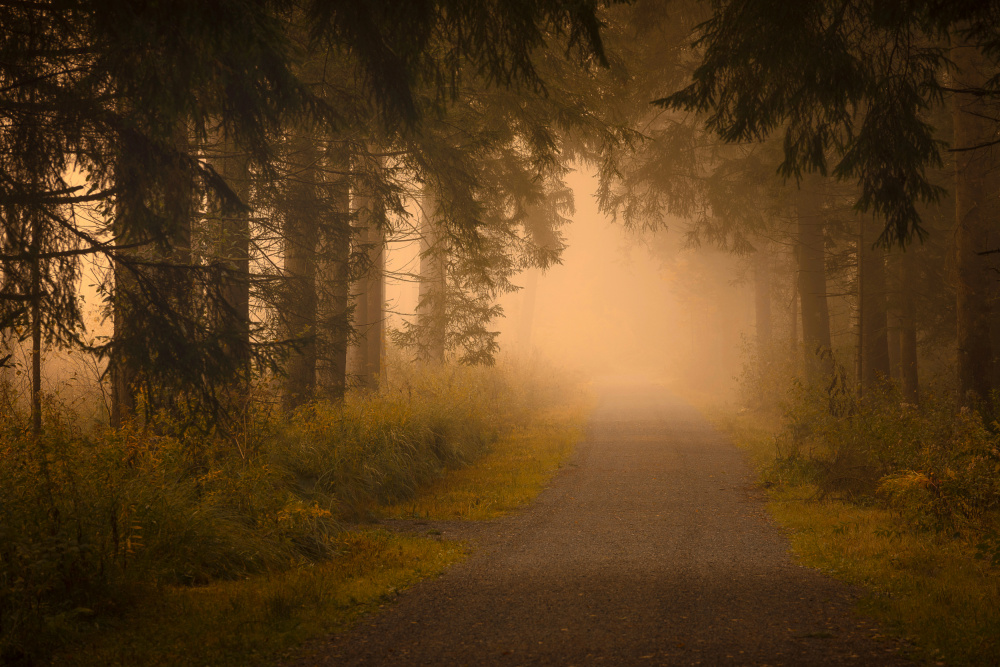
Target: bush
90,522
938,465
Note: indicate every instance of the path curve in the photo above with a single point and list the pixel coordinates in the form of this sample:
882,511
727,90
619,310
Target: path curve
652,547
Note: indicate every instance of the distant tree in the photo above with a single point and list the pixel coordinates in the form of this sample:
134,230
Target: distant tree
104,88
859,81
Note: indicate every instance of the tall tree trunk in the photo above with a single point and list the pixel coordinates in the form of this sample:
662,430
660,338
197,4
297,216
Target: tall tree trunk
365,358
122,369
375,333
812,282
762,303
793,321
36,328
301,236
874,340
333,285
527,320
175,277
976,192
909,384
164,268
431,306
233,249
894,319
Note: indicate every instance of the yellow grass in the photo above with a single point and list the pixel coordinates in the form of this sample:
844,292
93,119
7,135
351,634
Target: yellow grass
516,468
252,621
925,586
256,620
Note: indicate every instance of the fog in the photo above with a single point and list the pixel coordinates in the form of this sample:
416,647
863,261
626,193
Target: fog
620,302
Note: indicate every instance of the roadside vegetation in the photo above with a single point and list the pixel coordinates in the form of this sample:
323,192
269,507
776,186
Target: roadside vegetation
130,546
901,500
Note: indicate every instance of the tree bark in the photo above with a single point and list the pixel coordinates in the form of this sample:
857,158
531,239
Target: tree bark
812,282
762,303
375,291
893,315
793,321
976,192
431,306
874,323
301,236
36,328
172,194
529,297
333,285
366,357
233,249
122,370
908,379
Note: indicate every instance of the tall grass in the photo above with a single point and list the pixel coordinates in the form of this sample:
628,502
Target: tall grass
902,499
92,522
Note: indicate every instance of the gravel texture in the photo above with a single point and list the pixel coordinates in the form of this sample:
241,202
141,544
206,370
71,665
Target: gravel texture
651,547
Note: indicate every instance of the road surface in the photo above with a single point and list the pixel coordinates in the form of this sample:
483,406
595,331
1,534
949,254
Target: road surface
651,547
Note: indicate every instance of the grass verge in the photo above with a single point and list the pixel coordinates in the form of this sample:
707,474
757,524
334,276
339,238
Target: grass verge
510,475
926,586
257,618
251,622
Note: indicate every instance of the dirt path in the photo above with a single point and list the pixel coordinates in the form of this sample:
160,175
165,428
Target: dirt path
651,548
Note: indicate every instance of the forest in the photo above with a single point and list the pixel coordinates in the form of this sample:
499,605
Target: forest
272,277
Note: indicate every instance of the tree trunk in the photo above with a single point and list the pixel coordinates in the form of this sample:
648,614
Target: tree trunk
301,235
793,333
333,286
527,320
36,328
164,268
976,191
122,369
874,340
375,291
233,249
812,283
909,384
366,357
762,303
893,316
431,306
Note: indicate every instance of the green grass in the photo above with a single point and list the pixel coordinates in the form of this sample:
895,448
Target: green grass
255,619
252,621
923,585
509,476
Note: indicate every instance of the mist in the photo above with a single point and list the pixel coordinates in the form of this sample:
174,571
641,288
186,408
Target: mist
668,318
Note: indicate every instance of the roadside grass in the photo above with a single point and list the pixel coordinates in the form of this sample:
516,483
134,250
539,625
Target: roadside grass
924,585
256,618
509,476
254,621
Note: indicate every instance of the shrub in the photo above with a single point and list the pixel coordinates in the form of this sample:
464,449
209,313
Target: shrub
91,521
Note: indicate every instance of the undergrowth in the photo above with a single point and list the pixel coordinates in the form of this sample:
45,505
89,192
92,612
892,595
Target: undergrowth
94,525
901,499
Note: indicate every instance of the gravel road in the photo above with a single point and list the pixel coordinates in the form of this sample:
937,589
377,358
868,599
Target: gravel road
651,547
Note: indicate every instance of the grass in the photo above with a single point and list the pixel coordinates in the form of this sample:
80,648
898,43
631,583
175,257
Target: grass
256,619
923,585
252,621
509,476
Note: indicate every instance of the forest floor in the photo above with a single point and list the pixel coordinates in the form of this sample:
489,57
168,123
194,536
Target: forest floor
652,546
